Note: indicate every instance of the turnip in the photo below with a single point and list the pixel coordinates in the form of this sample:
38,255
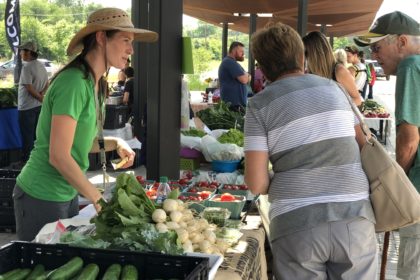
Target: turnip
161,227
175,216
172,225
159,216
182,235
170,205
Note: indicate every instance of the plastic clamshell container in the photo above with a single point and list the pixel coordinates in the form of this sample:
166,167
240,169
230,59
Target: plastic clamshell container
235,207
234,192
225,166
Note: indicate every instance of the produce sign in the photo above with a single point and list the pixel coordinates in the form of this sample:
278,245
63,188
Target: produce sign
220,117
372,109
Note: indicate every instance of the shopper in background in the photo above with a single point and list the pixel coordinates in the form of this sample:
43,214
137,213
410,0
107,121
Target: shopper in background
321,219
341,57
128,97
371,79
122,76
47,188
320,61
357,68
233,79
33,84
394,40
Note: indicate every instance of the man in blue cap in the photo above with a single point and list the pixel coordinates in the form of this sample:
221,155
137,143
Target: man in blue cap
394,40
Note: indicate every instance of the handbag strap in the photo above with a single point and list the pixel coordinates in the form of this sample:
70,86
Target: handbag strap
363,125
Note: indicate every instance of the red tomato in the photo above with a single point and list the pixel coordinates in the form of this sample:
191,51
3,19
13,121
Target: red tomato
193,190
235,188
181,197
140,179
227,187
183,181
205,194
203,184
227,197
243,187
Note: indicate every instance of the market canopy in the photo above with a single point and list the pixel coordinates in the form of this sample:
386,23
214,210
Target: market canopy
341,18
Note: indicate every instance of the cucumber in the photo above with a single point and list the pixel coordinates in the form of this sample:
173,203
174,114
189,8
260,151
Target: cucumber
9,273
19,275
112,272
89,272
129,272
39,270
68,270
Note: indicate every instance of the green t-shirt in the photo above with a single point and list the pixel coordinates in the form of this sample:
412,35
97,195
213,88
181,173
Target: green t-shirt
73,95
407,104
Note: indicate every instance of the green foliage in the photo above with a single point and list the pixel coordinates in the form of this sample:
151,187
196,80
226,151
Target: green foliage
8,97
194,132
220,117
233,136
342,42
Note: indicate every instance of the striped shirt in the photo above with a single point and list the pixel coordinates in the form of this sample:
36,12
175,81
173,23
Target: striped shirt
306,125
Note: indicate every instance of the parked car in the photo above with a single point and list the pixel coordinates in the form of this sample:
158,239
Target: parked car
8,67
378,69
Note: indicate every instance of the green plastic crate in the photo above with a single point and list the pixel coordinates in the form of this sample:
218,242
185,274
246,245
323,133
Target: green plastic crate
189,163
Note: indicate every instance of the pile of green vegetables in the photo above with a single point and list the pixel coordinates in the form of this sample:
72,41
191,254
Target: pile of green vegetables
220,117
233,136
193,132
125,222
8,97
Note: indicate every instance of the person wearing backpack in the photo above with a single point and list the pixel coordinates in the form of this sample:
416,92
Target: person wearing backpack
358,68
371,79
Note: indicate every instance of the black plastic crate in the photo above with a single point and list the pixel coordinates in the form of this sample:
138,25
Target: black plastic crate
20,254
7,219
115,116
7,182
4,158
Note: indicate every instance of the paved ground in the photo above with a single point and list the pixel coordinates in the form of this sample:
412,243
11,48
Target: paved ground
384,94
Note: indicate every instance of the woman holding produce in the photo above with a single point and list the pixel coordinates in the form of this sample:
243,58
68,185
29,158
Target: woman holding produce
321,61
46,189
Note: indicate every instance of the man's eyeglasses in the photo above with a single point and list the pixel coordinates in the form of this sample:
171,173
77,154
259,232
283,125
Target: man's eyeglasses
374,48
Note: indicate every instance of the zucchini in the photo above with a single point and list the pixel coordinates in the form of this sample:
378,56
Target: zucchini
38,270
89,272
68,270
129,272
112,272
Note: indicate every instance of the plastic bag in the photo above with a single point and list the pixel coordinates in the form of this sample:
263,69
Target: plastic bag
214,150
190,142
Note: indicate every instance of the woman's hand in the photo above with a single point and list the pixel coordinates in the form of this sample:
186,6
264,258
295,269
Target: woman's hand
124,151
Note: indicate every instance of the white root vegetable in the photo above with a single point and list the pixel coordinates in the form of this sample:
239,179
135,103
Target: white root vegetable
182,224
204,245
188,247
159,216
210,236
176,216
197,238
161,227
172,225
170,205
182,235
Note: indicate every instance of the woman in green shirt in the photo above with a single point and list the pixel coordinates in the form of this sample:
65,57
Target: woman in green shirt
47,188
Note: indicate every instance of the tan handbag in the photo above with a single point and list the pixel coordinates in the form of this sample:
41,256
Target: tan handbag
395,201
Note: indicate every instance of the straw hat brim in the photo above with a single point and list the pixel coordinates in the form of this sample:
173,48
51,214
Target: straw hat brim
75,46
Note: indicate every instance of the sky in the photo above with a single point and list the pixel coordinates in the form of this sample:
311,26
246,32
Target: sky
410,7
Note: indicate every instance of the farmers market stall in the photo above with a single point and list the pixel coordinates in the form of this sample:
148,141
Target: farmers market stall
377,118
126,224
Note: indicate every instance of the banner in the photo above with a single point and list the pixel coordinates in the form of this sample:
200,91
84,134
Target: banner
12,23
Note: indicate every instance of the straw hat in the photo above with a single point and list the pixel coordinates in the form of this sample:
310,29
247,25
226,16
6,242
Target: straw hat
108,19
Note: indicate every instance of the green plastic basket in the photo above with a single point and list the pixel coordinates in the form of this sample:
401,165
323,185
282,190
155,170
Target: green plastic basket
235,207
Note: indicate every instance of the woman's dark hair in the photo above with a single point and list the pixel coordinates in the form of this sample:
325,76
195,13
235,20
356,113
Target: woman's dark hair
89,43
129,72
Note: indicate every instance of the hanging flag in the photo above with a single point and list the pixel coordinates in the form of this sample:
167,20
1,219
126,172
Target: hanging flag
12,22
